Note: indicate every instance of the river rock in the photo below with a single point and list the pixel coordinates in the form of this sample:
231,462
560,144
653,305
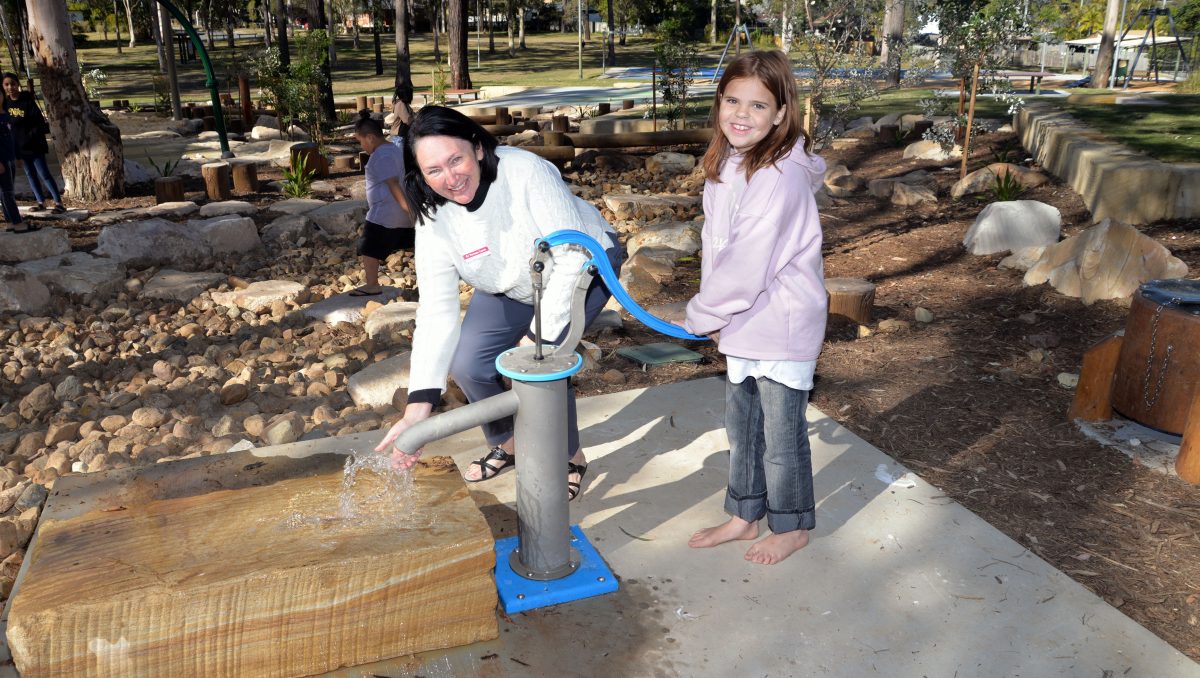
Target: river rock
69,388
61,432
639,284
37,402
930,150
1013,225
135,173
358,190
376,385
231,235
883,188
179,286
46,242
840,182
149,417
658,268
909,195
283,428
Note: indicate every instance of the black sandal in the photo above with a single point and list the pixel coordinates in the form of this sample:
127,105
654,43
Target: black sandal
574,488
488,471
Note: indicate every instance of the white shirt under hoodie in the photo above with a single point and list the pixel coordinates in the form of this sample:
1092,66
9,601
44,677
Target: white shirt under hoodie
490,250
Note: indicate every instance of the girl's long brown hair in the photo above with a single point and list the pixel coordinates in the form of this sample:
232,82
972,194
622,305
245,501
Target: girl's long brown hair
774,71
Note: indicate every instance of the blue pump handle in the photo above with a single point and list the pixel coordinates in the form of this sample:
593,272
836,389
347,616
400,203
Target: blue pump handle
600,261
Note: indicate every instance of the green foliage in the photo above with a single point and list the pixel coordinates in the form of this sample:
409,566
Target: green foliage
975,31
1187,17
1007,186
298,178
162,94
296,92
167,169
437,87
1192,84
92,80
676,59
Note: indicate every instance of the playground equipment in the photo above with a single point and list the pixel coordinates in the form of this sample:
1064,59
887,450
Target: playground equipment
548,562
211,82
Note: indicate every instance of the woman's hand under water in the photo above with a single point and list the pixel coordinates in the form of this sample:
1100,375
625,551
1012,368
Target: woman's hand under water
403,459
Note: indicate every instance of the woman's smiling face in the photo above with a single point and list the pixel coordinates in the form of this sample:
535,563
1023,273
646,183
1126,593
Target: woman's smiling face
450,166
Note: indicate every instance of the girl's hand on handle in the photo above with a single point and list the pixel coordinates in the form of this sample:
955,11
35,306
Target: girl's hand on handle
403,459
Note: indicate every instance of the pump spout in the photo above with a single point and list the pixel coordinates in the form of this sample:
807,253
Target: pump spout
457,420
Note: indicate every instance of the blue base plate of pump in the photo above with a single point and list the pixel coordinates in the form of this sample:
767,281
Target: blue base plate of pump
518,594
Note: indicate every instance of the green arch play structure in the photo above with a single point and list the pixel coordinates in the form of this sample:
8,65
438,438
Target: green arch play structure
218,113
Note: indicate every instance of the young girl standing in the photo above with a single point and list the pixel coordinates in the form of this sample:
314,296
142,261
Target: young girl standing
762,297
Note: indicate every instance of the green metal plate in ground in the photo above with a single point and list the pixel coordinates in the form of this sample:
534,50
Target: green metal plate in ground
661,353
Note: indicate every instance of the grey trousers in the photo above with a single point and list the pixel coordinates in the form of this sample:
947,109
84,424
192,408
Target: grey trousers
492,325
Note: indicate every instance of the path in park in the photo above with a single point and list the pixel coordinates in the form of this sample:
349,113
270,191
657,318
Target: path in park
898,580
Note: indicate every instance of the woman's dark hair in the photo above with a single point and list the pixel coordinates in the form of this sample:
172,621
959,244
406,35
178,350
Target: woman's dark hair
14,76
367,125
439,121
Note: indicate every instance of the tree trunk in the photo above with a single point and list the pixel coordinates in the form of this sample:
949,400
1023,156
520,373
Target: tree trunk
229,28
456,27
157,32
521,27
491,30
509,18
117,23
164,21
268,19
375,40
331,30
787,24
585,16
208,34
612,47
87,143
129,18
354,23
1104,57
316,11
435,10
281,26
624,25
893,37
403,64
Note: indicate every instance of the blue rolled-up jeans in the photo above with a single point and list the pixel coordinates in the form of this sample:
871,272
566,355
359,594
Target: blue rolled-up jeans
770,461
35,167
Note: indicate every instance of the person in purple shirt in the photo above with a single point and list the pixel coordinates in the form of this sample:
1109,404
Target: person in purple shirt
762,297
388,225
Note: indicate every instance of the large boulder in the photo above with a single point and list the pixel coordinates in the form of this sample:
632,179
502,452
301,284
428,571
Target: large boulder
46,242
180,286
288,229
173,210
295,206
888,119
231,235
227,207
930,150
640,206
840,183
259,295
671,163
376,385
78,274
153,242
1107,261
389,322
135,173
1013,225
21,291
909,195
343,308
659,268
984,179
681,236
883,188
340,218
639,283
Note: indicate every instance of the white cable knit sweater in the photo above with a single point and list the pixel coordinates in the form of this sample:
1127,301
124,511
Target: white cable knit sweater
490,249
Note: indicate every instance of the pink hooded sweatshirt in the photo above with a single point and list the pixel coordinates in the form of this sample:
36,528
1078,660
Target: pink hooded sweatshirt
762,281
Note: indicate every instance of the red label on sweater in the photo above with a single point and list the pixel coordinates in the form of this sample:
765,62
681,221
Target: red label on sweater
481,252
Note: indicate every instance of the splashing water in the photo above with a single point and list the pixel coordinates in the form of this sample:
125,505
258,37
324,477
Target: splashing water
383,489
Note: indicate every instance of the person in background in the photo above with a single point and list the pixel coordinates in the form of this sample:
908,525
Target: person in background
8,165
762,297
388,225
29,129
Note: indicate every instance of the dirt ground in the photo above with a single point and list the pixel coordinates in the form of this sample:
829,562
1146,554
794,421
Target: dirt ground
970,401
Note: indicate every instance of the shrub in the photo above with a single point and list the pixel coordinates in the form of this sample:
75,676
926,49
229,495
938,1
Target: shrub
1007,187
298,178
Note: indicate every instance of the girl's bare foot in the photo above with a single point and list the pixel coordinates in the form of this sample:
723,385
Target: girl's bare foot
777,547
732,530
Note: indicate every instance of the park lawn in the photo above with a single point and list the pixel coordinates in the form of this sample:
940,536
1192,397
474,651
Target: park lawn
1170,133
551,59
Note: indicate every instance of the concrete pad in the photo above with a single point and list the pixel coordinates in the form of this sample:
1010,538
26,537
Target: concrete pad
898,580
